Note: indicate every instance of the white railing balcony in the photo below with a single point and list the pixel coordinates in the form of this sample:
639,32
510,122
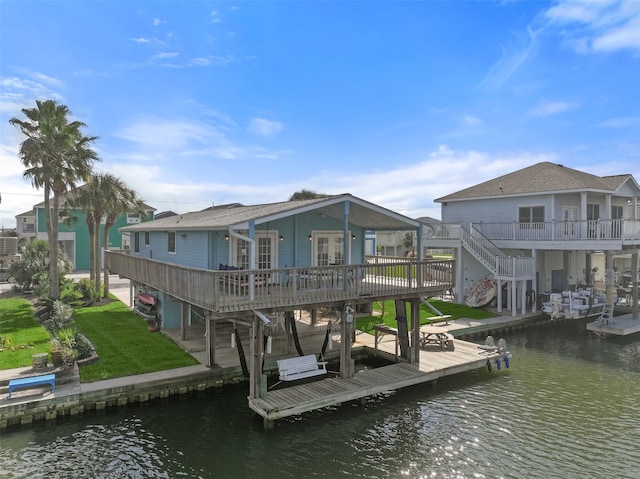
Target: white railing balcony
624,230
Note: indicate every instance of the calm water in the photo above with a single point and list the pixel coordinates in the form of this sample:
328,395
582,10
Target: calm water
567,408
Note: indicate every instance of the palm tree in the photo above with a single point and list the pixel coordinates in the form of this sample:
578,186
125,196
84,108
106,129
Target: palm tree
103,198
87,198
56,156
120,200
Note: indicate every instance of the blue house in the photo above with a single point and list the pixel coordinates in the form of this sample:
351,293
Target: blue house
248,263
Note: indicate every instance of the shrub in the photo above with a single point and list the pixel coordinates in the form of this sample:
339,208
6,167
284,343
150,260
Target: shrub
55,315
87,289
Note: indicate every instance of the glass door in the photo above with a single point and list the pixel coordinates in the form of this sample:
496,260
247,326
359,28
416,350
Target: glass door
328,249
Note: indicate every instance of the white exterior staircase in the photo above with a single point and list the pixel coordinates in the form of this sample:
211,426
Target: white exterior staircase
493,258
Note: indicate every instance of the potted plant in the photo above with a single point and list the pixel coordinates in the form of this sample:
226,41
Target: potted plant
56,352
69,356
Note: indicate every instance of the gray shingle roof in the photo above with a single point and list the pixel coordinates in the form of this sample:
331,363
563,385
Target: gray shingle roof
542,177
367,215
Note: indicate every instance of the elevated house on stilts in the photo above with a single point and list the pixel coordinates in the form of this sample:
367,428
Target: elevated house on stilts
546,231
253,266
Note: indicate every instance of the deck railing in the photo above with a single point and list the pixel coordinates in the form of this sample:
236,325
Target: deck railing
243,290
625,230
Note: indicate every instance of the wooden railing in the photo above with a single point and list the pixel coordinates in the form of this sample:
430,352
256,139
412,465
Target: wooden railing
243,290
626,230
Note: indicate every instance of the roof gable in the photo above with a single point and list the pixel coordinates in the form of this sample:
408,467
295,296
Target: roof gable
361,213
542,177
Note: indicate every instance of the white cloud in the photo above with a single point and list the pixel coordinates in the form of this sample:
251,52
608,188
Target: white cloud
622,122
214,17
140,40
163,55
547,108
470,120
264,127
591,26
156,22
512,59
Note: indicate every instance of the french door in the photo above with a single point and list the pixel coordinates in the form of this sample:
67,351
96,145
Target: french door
328,249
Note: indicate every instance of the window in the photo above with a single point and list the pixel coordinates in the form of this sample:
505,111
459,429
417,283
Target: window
133,218
136,242
593,215
242,254
617,212
172,242
146,238
531,214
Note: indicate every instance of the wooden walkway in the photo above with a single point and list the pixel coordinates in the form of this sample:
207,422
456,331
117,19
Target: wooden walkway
434,363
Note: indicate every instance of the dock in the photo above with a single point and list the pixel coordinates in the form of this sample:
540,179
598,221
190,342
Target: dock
622,325
434,363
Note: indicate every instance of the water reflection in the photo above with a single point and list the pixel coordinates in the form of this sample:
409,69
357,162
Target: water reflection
566,408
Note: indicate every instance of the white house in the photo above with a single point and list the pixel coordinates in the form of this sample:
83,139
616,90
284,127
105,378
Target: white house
540,229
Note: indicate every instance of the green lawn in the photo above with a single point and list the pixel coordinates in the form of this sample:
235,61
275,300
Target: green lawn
121,339
23,336
124,345
456,311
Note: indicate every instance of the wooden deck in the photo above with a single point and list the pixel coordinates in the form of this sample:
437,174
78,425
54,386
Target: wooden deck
277,289
434,363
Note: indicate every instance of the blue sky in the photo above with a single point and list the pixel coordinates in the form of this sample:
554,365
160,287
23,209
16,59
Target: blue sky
399,103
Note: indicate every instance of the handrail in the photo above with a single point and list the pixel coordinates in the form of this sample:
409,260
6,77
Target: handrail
229,290
626,230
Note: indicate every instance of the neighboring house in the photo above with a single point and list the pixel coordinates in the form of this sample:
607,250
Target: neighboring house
8,251
393,243
73,232
248,263
26,225
540,229
164,214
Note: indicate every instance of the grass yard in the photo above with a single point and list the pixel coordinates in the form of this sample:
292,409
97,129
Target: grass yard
124,345
22,336
456,311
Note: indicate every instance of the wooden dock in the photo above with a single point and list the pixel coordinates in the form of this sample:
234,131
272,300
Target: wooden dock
434,363
623,325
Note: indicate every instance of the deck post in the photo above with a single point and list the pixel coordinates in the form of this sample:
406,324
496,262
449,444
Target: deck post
184,318
634,284
346,363
255,372
415,330
210,338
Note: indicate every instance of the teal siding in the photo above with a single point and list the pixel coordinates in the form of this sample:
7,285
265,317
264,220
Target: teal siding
79,227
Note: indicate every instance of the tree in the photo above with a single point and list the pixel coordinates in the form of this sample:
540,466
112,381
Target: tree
120,200
34,265
104,197
305,194
56,156
408,243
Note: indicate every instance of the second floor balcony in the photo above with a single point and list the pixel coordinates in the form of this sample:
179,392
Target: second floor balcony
234,290
610,234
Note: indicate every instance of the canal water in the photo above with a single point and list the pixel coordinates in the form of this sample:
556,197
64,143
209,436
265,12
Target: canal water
568,407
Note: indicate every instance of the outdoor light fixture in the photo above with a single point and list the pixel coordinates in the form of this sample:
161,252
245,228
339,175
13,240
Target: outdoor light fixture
310,237
183,235
281,238
226,237
353,237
